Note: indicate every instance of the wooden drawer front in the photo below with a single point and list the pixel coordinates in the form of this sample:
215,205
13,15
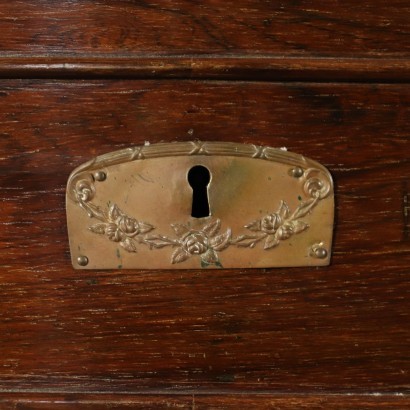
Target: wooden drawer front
330,40
338,329
178,27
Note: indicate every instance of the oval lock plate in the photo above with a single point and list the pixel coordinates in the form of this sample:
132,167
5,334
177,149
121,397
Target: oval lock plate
189,205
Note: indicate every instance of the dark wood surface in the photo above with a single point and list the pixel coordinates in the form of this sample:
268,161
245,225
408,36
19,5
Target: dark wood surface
327,79
203,402
246,39
325,28
334,330
210,67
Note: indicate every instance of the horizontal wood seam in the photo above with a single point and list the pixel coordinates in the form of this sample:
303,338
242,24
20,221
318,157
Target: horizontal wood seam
213,67
201,392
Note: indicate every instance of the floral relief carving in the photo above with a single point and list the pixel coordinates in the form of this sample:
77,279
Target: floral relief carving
118,227
205,242
209,239
276,227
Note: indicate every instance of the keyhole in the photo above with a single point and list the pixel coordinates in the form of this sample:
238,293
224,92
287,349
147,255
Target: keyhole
198,178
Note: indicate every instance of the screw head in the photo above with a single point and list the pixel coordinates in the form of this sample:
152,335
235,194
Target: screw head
296,172
320,253
82,260
100,176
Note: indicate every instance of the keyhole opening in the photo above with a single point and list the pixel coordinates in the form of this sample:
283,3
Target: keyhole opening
199,178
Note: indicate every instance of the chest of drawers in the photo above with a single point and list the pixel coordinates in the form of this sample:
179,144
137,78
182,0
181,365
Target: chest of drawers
328,80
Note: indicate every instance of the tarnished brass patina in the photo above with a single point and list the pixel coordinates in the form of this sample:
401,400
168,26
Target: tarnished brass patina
266,207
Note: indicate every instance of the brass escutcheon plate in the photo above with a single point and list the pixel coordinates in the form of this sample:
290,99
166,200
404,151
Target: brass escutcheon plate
132,209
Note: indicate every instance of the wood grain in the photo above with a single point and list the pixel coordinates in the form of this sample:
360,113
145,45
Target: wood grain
171,27
208,67
341,329
79,79
203,402
225,39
